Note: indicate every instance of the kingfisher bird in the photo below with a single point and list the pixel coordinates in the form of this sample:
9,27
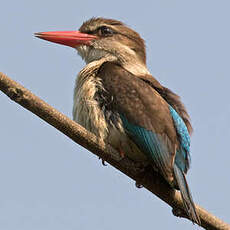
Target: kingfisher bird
117,99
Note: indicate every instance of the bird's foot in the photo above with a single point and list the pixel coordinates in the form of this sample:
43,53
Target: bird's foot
102,161
138,185
178,212
142,173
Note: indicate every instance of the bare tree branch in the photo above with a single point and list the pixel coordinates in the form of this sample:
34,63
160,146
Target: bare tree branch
149,179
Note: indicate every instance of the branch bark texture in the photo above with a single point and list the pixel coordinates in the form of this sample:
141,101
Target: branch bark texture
148,179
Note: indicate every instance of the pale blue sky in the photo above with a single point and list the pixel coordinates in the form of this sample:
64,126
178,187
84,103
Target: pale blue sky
47,181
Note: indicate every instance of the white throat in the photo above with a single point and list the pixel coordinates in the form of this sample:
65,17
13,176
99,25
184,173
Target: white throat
131,63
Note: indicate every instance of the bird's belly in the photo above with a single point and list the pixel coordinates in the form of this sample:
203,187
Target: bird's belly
105,124
94,121
88,115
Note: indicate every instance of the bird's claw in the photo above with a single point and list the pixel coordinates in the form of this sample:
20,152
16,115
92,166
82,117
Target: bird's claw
102,161
138,185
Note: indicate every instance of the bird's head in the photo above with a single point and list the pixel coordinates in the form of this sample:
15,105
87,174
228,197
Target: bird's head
99,37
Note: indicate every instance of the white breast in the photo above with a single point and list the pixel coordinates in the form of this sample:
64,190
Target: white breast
86,110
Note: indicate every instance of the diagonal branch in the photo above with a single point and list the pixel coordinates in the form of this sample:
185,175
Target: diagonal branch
149,179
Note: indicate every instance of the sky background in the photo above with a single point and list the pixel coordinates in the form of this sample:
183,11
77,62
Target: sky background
49,182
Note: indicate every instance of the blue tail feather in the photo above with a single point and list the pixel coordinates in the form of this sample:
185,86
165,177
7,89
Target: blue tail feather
186,195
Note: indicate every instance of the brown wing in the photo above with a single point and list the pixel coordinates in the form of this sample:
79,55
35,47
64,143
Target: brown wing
171,98
145,115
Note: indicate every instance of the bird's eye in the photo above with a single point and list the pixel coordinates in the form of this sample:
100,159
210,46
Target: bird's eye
105,31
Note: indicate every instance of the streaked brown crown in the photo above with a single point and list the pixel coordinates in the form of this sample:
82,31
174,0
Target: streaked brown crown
105,28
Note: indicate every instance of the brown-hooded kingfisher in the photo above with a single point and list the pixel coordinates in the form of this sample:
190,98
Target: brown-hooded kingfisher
118,100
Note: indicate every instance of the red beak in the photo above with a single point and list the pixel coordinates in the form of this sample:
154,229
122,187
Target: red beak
68,38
